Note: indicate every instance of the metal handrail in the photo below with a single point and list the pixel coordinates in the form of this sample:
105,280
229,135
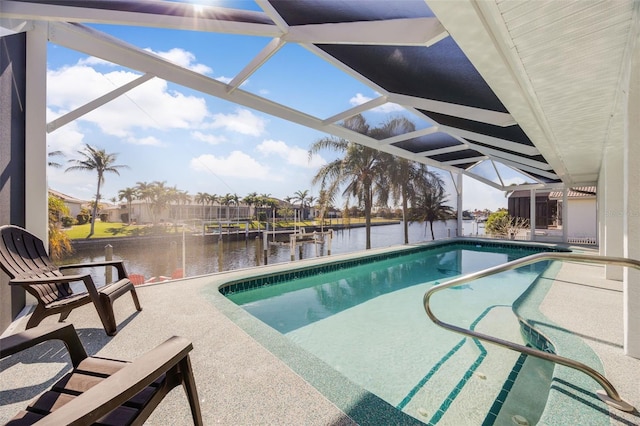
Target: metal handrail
610,395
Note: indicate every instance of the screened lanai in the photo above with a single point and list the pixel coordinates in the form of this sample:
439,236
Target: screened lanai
535,96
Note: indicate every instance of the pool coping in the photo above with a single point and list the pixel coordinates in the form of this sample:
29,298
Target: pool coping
361,405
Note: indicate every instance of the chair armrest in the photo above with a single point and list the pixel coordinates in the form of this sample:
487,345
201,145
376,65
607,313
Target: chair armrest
26,339
120,386
49,280
118,264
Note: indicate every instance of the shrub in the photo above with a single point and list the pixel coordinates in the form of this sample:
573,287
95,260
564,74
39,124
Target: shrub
501,224
82,218
67,221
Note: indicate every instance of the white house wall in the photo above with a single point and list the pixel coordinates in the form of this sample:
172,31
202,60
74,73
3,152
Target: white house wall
582,221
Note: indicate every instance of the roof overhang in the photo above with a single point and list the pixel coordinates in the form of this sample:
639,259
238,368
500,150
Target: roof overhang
529,87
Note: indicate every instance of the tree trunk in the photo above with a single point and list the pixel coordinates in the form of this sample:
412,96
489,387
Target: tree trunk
431,226
367,216
95,209
404,218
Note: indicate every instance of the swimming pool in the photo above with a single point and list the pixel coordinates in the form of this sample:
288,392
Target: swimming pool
364,317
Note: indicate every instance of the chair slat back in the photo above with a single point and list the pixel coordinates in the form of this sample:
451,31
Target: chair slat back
23,256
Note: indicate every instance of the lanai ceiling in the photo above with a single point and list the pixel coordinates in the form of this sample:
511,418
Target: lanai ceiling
526,86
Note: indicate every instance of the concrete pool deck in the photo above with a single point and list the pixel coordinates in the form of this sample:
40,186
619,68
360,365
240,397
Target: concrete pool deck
240,382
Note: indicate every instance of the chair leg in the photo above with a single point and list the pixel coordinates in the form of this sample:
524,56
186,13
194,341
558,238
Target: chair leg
64,315
105,312
134,295
38,315
189,384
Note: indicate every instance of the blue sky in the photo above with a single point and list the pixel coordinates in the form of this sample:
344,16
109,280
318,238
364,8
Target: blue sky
198,143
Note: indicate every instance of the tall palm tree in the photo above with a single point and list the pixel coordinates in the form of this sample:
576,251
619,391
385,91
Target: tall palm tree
183,198
406,181
144,193
211,199
102,162
301,197
359,170
159,196
430,203
250,199
227,200
128,194
235,200
202,198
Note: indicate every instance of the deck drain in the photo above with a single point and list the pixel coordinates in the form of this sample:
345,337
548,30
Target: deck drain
423,412
519,420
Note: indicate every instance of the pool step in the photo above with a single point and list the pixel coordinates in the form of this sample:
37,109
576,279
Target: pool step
470,377
516,403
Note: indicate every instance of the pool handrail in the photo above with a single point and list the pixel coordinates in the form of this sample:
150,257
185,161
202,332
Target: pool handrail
610,395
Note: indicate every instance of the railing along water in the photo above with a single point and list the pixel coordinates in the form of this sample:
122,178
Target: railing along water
610,395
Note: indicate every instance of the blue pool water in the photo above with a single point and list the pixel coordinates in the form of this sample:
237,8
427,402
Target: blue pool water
367,321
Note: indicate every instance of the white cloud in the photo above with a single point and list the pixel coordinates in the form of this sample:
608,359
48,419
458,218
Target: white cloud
67,138
183,58
149,140
293,155
223,79
150,105
237,164
92,60
242,121
227,80
477,195
208,138
360,99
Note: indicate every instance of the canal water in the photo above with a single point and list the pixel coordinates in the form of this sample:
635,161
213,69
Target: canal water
161,259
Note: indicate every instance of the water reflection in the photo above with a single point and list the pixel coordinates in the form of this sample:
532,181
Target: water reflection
161,257
295,304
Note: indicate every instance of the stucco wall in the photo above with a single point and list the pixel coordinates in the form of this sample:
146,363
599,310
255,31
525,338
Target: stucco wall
582,218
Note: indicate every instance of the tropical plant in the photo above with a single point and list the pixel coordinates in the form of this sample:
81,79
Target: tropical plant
325,201
52,163
202,198
301,197
128,194
500,224
359,171
182,197
102,162
430,203
59,243
250,200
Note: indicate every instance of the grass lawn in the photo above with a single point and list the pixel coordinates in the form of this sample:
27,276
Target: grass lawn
109,230
113,230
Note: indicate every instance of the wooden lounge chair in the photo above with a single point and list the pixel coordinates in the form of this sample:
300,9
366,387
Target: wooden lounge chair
105,391
24,259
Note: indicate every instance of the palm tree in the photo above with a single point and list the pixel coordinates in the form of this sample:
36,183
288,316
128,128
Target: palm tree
211,199
183,198
144,193
128,194
325,201
235,200
358,171
159,196
430,203
406,180
52,163
227,200
250,199
202,198
301,197
100,161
